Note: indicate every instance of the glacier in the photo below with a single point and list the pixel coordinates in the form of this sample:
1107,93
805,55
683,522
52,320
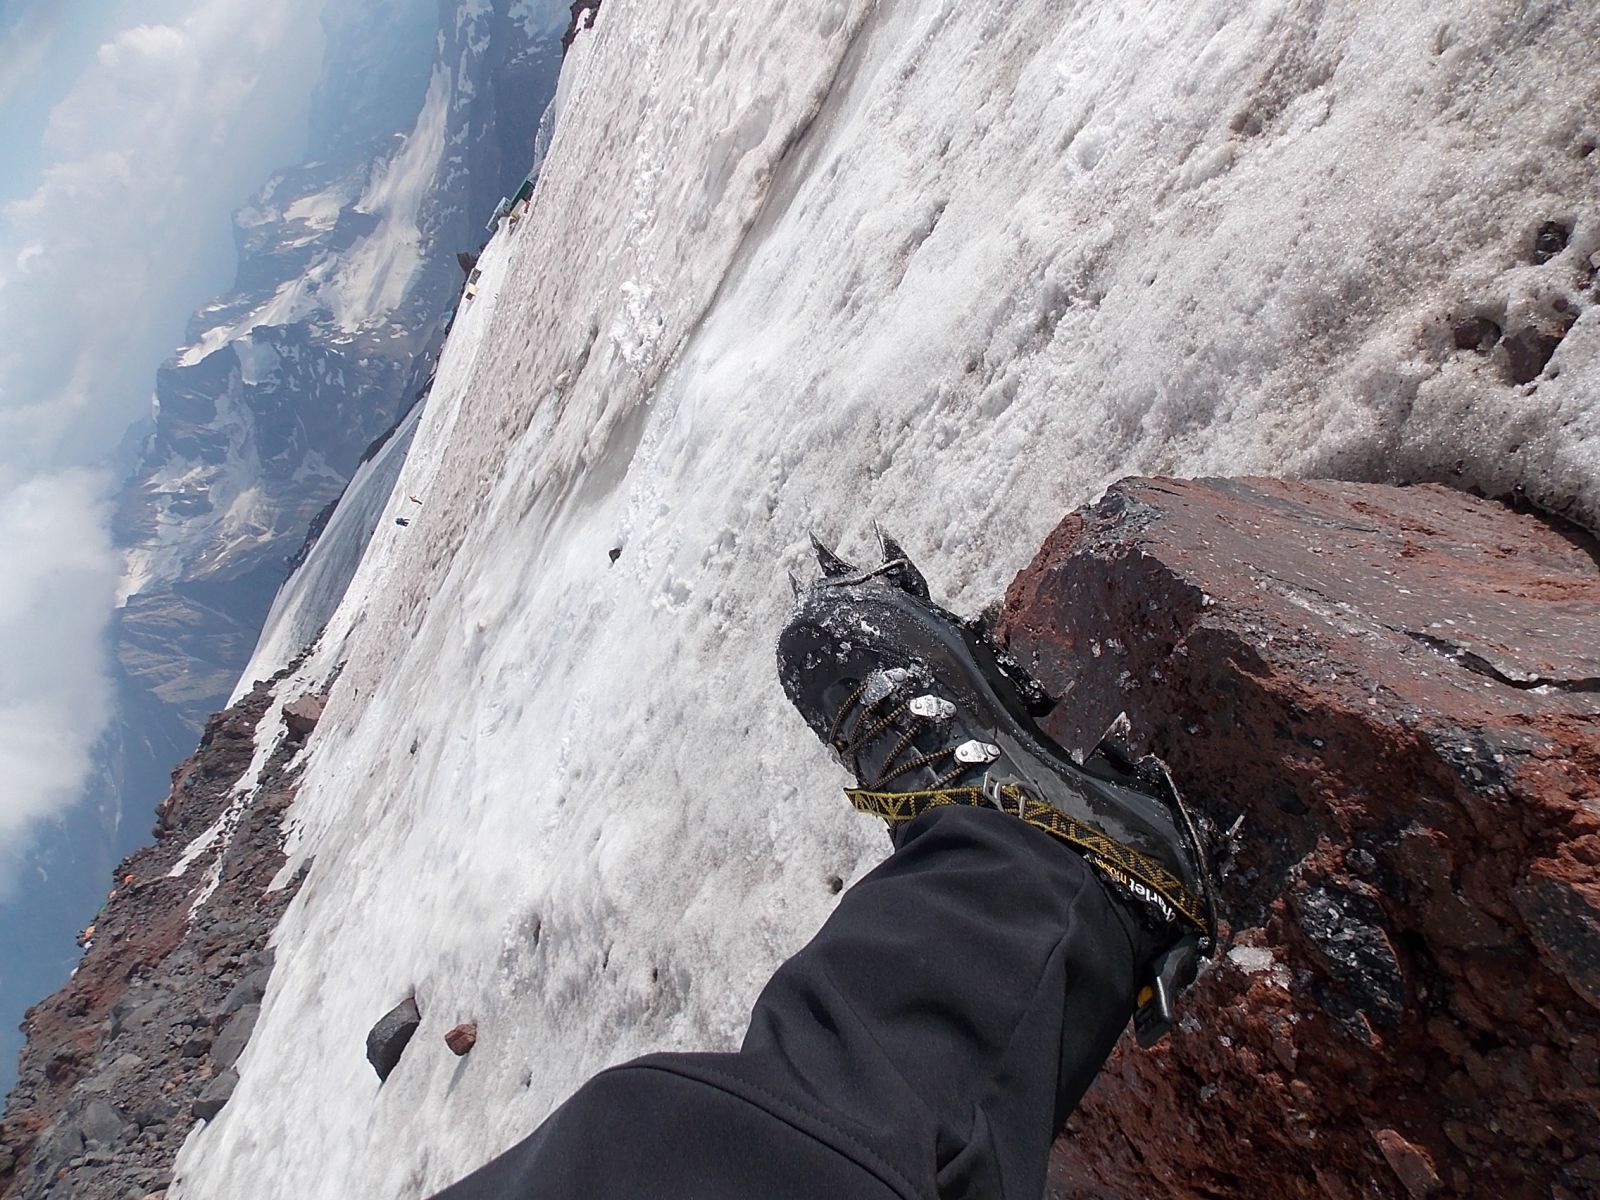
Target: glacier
793,267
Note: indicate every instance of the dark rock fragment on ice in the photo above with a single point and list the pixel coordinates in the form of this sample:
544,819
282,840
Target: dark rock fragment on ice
1529,350
1476,333
1550,241
390,1036
302,715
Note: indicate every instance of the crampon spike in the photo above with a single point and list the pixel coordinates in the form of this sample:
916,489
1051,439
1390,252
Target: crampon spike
832,565
902,571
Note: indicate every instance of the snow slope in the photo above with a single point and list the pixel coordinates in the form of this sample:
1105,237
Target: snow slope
310,595
797,266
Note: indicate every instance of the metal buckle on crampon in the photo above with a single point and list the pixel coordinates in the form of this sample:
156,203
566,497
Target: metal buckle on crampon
995,793
1172,971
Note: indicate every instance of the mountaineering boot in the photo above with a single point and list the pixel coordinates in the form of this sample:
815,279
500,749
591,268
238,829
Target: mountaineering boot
924,711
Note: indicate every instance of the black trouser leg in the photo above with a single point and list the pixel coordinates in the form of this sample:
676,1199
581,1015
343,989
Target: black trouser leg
929,1042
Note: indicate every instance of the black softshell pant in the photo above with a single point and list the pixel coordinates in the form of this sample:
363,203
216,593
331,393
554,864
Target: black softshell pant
928,1043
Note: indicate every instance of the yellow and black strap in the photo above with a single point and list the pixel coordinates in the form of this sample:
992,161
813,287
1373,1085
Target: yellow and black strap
1109,855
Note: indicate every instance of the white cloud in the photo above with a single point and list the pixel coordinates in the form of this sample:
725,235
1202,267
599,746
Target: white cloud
173,122
169,127
60,573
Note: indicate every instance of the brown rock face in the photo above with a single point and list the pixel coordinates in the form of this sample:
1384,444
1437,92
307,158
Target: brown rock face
1399,689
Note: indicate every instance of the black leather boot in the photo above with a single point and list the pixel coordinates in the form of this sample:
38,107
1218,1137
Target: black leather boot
924,711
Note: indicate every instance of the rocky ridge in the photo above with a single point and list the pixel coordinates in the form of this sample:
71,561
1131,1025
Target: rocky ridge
141,1043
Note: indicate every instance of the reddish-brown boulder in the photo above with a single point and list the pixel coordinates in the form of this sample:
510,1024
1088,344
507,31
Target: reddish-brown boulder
462,1038
1399,689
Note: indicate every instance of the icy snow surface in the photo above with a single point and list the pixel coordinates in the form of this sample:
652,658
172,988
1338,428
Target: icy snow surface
310,595
953,266
372,502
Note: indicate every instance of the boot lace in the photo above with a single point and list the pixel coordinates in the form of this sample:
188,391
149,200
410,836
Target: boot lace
871,722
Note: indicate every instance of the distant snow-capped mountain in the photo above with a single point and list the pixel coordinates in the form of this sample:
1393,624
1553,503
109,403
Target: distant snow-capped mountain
425,115
348,276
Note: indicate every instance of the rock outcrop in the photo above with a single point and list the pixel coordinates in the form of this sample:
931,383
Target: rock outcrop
301,716
583,14
142,1042
1399,691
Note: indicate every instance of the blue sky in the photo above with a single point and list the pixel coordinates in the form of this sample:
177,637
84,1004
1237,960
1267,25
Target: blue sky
44,45
131,129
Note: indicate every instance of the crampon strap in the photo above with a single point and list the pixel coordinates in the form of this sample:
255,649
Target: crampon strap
1122,864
